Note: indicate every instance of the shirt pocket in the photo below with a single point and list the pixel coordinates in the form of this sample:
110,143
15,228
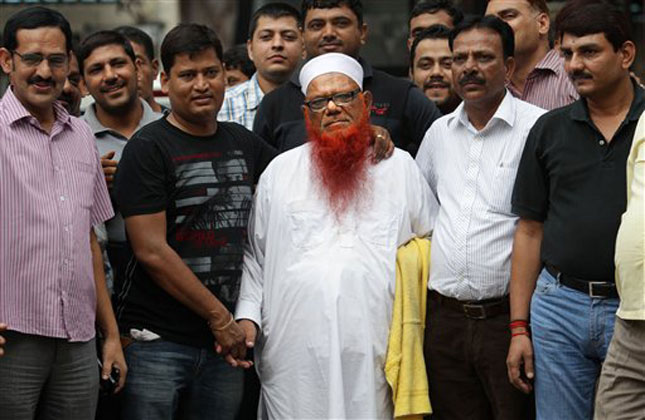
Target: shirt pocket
378,228
83,176
502,189
306,221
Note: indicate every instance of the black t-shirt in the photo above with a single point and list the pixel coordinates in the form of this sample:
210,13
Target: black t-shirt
574,181
205,186
397,105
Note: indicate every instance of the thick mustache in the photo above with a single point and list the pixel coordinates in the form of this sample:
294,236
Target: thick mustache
38,79
441,82
471,79
334,42
580,75
111,85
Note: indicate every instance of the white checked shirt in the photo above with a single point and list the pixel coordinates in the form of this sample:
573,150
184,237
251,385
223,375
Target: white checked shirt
241,103
472,174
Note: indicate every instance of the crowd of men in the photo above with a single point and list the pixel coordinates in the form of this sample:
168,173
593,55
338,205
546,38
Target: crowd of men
235,255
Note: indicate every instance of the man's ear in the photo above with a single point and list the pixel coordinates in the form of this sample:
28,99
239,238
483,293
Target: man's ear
509,64
6,60
82,87
367,100
155,67
164,83
628,51
249,50
363,30
544,24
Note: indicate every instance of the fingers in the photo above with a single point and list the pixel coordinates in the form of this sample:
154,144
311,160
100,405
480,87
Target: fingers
123,374
107,367
109,155
528,365
230,360
520,357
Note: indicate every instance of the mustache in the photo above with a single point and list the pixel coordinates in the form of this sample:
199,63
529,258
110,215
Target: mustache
579,75
110,84
471,78
335,42
436,81
38,79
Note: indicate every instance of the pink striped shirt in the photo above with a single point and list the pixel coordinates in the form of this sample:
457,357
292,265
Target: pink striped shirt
548,85
51,192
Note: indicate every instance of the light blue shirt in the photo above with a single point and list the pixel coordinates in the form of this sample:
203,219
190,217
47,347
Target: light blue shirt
241,103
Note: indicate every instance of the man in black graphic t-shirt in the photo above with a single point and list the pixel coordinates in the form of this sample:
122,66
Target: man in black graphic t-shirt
185,186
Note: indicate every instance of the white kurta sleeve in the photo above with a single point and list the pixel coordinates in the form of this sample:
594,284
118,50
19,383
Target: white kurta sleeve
422,203
425,159
249,303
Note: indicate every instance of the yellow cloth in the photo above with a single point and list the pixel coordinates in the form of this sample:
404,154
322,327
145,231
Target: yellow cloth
405,369
630,242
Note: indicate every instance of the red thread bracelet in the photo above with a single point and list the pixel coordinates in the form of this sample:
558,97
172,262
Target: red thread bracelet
526,333
518,324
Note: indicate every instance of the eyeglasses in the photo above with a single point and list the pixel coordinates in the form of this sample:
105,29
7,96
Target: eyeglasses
340,99
56,61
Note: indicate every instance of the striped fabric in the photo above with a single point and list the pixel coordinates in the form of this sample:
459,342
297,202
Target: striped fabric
548,85
51,192
472,175
241,103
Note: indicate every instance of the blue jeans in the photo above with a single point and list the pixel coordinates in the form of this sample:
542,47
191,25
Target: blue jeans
169,380
571,334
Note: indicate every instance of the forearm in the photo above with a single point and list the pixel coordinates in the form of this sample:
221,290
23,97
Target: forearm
525,267
104,313
168,270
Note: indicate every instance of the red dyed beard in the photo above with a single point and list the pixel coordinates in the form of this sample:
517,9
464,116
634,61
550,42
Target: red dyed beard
340,161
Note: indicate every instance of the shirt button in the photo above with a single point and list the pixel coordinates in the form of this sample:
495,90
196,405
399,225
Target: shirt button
65,261
66,228
601,142
62,198
56,168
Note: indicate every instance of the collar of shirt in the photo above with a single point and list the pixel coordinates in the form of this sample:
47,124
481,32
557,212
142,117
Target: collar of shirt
250,90
580,112
550,63
15,111
505,112
92,120
367,73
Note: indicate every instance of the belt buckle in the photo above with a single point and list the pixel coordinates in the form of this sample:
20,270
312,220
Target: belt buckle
591,287
474,311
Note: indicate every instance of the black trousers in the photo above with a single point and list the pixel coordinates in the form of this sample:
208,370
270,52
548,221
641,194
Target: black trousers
466,366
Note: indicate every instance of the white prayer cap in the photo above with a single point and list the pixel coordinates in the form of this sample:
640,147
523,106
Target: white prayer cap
330,63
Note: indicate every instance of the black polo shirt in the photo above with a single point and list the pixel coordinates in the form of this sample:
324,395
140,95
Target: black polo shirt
574,182
397,105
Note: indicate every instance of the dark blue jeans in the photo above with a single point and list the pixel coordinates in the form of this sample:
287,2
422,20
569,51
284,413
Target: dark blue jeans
169,380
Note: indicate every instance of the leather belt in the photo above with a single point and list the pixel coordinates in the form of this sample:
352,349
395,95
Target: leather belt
594,289
477,309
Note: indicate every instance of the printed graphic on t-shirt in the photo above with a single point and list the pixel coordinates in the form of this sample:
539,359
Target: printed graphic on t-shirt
212,205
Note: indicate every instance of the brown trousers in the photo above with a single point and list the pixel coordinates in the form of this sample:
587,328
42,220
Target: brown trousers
621,390
466,366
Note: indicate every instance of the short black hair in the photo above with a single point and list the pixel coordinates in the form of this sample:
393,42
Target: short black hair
355,5
275,11
593,18
491,22
437,31
33,18
188,38
138,36
433,6
237,57
100,39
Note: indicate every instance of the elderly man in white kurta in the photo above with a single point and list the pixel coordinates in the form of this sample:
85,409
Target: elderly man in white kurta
318,279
